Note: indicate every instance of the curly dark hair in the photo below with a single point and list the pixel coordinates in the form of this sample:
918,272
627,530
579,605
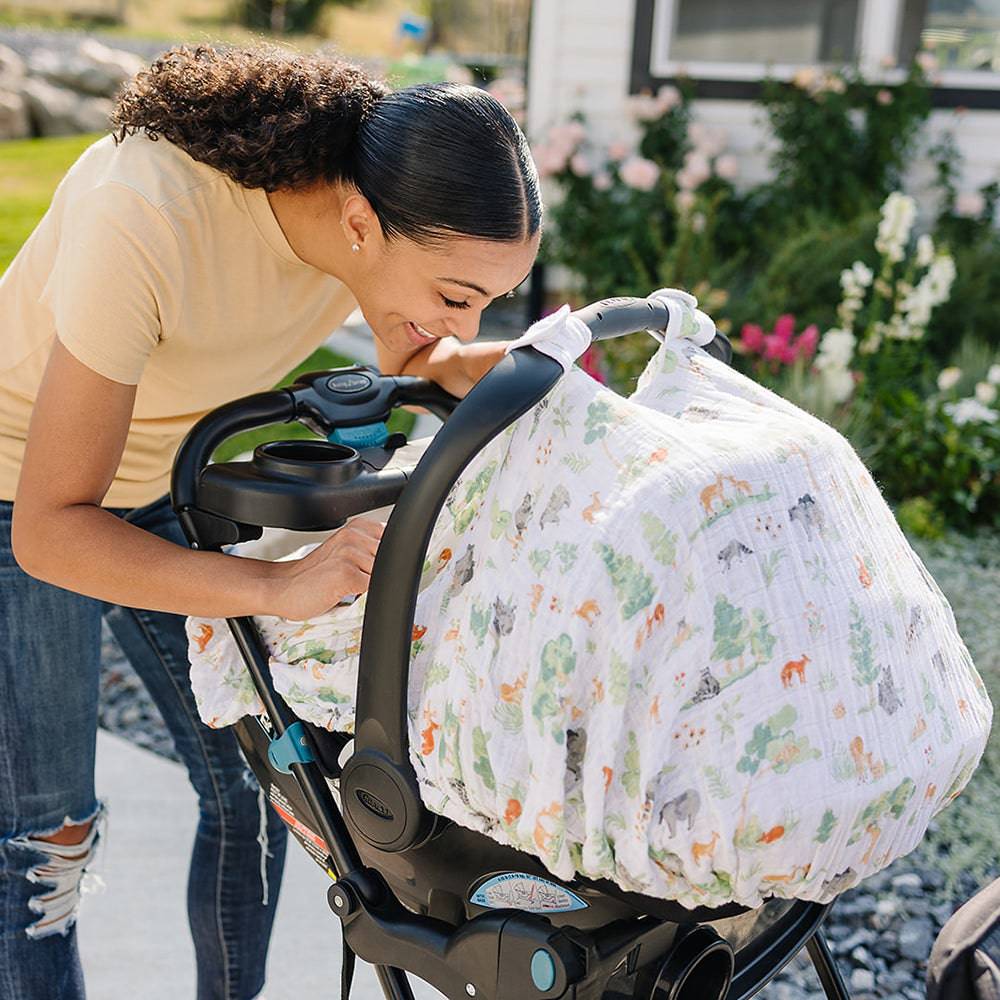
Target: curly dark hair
433,160
265,117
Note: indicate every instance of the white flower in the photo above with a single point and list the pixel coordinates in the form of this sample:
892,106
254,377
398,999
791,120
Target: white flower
602,180
839,383
986,393
836,349
862,275
993,375
970,411
685,200
580,165
949,378
925,250
898,213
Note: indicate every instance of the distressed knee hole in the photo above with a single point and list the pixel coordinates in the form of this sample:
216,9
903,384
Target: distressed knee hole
60,873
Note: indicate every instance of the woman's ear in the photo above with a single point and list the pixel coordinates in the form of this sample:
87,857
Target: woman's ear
359,221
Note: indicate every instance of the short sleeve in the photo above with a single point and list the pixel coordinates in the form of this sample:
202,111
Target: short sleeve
114,275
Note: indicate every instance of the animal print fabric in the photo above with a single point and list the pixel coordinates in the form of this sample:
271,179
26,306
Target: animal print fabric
675,640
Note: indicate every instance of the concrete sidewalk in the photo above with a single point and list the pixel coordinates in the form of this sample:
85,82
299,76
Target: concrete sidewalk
134,938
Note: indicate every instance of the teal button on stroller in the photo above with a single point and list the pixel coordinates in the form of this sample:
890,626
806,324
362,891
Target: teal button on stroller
415,892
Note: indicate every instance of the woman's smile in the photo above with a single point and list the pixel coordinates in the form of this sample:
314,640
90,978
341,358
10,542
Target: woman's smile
418,336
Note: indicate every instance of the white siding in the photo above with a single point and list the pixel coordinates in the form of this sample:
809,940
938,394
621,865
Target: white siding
580,59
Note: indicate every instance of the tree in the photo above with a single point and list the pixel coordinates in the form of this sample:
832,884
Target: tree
286,16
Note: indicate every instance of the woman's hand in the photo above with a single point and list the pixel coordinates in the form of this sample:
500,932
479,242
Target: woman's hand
341,565
454,366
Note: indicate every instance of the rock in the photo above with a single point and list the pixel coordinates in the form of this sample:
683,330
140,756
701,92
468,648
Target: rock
860,956
916,937
862,980
14,120
92,114
52,109
908,884
942,913
92,69
895,979
11,69
862,936
59,111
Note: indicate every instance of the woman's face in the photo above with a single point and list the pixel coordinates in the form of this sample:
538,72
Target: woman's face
411,295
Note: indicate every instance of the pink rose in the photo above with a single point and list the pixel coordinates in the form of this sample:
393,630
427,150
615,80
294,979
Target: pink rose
601,180
550,160
697,168
640,173
619,150
668,97
727,167
580,165
884,96
774,347
970,204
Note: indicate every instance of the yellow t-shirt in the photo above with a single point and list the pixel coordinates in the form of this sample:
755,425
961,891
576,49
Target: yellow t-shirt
158,271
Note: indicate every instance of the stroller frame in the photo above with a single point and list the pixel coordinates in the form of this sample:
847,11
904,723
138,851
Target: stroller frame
404,878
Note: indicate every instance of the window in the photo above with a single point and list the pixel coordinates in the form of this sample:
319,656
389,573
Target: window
755,31
728,46
964,34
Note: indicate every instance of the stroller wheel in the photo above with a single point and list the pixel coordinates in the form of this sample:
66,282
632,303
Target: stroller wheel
699,966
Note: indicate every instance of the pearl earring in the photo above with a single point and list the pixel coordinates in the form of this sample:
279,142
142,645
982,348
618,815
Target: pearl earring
355,247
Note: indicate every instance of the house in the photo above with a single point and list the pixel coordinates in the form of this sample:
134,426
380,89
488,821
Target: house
590,55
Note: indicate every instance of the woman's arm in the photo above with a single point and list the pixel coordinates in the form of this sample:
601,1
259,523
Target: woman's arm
454,366
61,535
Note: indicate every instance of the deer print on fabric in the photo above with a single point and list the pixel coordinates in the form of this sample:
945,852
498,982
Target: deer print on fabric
715,493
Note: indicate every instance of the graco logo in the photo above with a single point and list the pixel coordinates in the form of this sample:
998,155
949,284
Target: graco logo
373,804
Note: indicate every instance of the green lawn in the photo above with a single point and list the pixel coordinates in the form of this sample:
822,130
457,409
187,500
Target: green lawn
30,169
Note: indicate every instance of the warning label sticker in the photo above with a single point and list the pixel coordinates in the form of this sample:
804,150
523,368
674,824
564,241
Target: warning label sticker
312,842
521,891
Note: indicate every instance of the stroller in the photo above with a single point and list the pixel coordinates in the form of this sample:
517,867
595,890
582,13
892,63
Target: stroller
414,891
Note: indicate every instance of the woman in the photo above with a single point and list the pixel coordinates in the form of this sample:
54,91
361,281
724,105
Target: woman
166,278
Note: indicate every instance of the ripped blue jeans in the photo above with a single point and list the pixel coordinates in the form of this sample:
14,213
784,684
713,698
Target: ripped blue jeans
50,641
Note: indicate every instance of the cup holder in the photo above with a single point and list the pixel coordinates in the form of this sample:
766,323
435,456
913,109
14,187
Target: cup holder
314,461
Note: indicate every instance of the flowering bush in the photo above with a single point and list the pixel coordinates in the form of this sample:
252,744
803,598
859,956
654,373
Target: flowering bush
634,218
843,141
829,243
